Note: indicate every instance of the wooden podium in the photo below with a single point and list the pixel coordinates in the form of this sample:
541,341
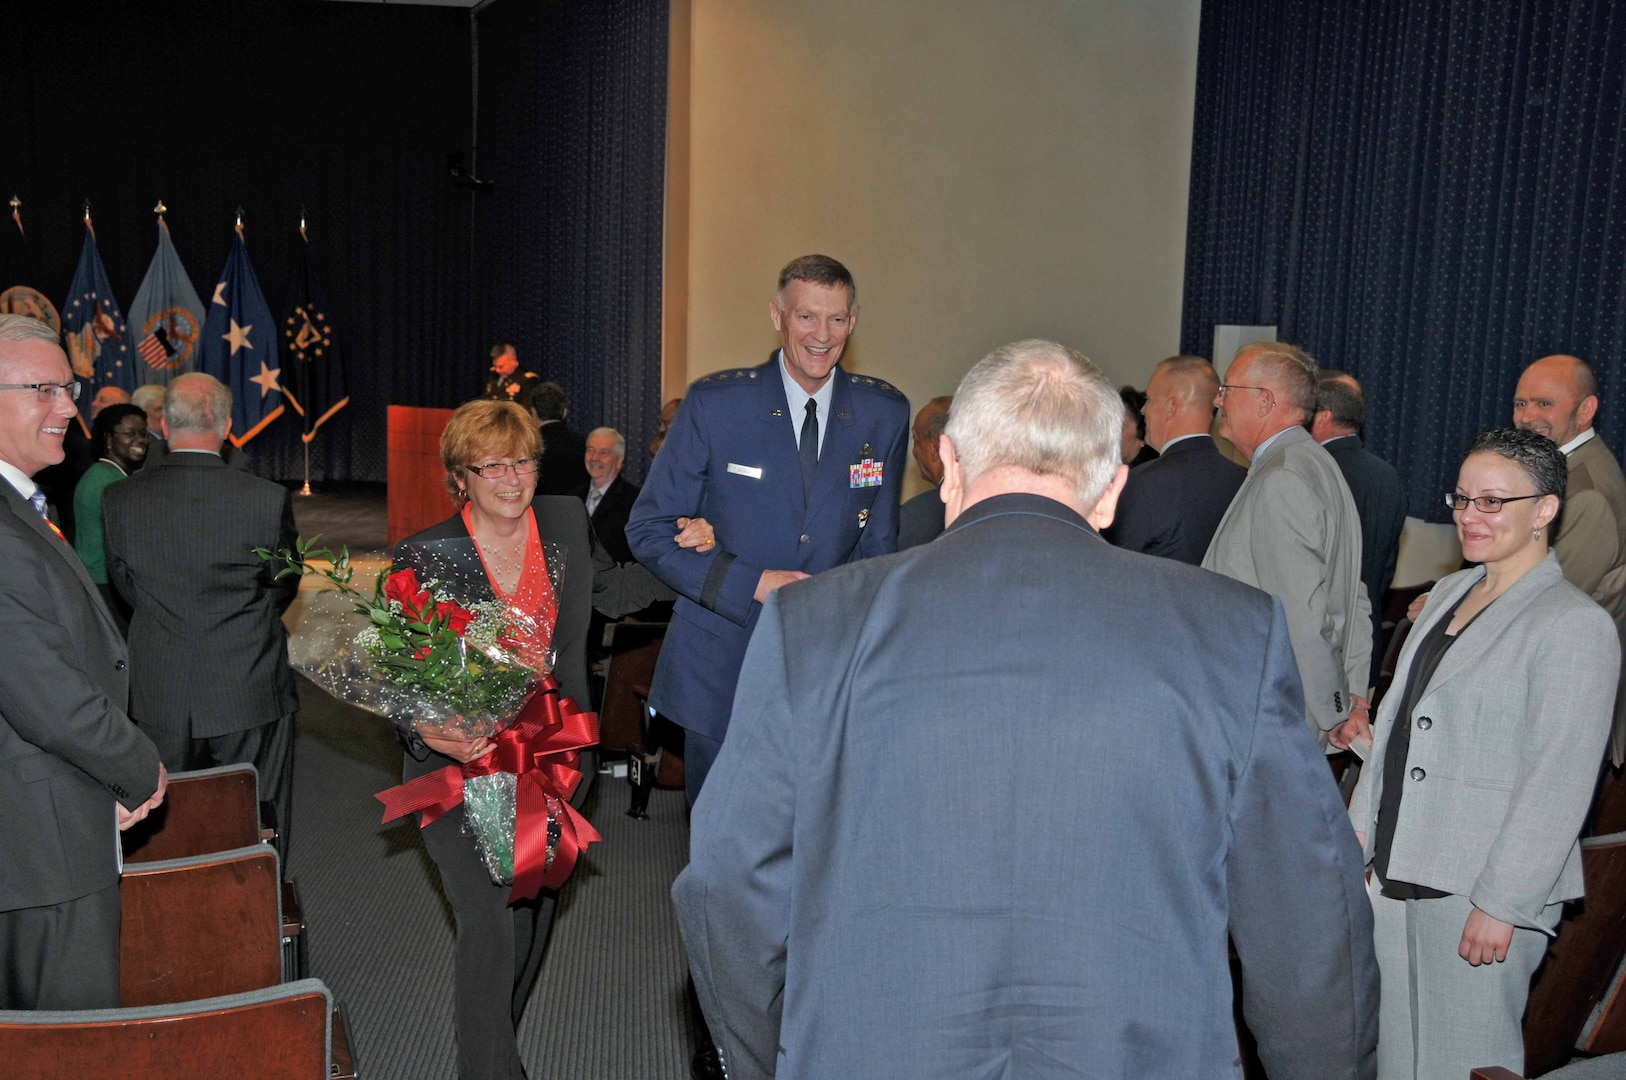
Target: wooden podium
417,480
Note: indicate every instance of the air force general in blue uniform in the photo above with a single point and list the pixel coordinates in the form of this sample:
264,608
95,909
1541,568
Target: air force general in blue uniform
784,499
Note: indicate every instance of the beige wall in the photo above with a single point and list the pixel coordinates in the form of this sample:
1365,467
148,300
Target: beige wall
988,171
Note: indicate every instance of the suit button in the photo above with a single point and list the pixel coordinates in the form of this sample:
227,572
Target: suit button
118,665
1424,723
806,539
1418,774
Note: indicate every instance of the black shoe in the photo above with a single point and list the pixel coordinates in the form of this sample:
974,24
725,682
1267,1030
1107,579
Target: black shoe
707,1063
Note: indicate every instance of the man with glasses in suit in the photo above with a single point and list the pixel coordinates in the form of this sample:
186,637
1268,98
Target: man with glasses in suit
1293,530
72,765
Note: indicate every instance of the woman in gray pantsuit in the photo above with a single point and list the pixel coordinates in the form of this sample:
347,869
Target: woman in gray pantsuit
1482,764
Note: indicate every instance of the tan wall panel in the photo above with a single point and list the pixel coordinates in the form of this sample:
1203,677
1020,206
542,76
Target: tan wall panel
988,171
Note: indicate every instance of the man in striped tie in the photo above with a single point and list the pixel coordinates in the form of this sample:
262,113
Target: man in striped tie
71,762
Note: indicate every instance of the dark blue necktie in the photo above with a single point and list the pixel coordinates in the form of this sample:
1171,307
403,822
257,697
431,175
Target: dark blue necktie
810,446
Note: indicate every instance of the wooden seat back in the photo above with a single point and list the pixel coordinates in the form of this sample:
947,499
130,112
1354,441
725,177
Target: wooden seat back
204,811
1581,960
633,652
200,927
280,1033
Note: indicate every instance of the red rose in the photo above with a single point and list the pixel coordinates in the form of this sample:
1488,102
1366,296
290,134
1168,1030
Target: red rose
453,616
403,586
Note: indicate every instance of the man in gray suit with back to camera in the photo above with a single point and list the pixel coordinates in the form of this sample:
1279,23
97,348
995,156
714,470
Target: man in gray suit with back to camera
71,762
991,806
1293,530
210,678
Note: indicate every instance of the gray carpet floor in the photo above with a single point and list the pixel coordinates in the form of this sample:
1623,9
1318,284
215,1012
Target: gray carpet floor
609,1003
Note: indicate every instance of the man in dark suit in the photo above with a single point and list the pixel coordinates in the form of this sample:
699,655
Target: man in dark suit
796,464
609,495
1380,496
920,520
1172,504
210,678
561,470
71,762
150,399
907,877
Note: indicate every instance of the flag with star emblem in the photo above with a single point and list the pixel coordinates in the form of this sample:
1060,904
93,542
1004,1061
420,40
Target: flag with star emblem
239,346
18,296
94,331
316,387
166,317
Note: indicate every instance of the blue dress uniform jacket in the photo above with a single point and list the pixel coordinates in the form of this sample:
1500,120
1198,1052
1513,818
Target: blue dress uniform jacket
731,458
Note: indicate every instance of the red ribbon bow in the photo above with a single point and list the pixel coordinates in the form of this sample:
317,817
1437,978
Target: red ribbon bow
543,748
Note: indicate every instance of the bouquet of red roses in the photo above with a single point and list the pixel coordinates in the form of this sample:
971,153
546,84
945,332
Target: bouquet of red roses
437,649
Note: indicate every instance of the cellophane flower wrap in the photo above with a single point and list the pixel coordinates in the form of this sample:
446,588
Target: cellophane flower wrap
432,645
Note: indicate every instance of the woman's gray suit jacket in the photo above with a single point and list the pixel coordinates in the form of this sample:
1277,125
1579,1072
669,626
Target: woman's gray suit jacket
1499,779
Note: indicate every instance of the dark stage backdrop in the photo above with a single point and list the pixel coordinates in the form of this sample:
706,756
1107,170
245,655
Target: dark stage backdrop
572,133
1428,194
350,110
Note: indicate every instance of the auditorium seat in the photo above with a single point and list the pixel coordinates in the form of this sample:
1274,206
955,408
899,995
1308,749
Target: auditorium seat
203,811
212,810
634,648
1612,1067
200,927
1581,961
283,1032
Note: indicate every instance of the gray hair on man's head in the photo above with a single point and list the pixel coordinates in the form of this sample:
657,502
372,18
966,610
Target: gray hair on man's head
145,397
1292,371
1042,407
18,328
27,328
620,440
197,404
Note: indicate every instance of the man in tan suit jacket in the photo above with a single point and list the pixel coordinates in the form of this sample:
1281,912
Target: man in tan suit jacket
1293,530
1558,397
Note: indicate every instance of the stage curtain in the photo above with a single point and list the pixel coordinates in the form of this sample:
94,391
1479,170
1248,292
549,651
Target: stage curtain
1427,194
572,134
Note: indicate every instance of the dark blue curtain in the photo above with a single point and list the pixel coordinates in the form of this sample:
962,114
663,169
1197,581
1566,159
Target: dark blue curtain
1429,194
345,109
572,132
350,110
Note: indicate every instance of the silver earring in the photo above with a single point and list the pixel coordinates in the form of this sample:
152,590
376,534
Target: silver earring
1535,534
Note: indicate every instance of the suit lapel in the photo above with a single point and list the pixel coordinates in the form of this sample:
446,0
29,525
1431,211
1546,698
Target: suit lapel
31,519
779,436
1486,630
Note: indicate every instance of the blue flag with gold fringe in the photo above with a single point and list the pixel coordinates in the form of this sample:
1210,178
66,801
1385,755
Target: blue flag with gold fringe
94,332
166,316
316,386
239,346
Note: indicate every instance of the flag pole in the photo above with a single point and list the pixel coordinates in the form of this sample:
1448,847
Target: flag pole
306,490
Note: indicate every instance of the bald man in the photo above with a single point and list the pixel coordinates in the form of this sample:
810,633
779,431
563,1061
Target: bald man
1293,529
920,520
1172,504
1558,397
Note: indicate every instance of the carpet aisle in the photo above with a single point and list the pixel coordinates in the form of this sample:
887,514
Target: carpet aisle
609,1001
